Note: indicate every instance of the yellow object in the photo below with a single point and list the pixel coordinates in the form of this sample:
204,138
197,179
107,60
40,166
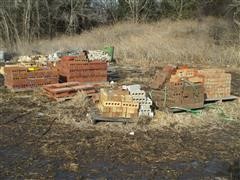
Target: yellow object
33,68
117,103
2,70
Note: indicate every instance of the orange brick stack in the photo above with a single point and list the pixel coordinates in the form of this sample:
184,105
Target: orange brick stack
117,103
79,69
182,87
217,83
21,78
188,74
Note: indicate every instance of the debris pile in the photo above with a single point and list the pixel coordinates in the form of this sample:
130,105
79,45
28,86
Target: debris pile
79,69
37,60
26,78
56,56
91,55
98,55
217,83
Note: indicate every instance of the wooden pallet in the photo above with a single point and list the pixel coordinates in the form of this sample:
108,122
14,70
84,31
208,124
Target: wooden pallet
95,116
228,98
19,90
66,91
207,101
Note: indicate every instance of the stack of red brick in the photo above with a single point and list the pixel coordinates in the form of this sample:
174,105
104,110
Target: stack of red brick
178,87
22,78
79,69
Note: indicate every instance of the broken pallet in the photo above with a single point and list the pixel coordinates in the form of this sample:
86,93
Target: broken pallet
65,91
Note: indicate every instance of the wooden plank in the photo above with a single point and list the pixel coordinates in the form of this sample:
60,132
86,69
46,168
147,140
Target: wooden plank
228,98
73,88
62,85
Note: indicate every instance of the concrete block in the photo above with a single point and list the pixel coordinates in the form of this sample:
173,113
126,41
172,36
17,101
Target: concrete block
139,99
138,93
148,114
1,55
145,107
133,88
148,101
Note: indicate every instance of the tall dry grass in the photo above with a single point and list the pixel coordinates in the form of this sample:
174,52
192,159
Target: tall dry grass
189,41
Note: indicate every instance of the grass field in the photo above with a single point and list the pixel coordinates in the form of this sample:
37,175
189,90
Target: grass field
209,41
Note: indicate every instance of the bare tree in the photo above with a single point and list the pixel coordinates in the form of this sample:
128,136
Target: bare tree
234,8
178,6
25,20
136,7
107,9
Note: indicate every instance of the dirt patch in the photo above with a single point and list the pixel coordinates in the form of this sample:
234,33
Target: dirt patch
35,144
44,139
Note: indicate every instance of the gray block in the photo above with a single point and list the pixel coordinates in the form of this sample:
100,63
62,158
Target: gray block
147,102
138,93
143,107
139,98
148,114
145,110
133,88
2,55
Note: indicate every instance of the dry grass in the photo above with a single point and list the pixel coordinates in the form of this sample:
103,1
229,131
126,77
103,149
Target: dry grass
72,111
203,42
215,115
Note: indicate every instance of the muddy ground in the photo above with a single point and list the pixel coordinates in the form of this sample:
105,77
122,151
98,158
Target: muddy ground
38,142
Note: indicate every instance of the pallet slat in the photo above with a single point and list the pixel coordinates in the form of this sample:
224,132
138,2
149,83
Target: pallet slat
70,89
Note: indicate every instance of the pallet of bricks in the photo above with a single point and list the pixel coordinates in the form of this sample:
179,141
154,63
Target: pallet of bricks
20,78
79,69
178,88
117,103
65,91
217,84
127,102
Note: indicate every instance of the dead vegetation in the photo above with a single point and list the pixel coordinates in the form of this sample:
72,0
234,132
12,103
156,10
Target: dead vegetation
209,41
215,115
74,109
40,146
56,131
72,112
44,138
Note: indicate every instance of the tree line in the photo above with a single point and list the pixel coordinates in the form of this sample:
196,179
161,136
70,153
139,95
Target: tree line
27,20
